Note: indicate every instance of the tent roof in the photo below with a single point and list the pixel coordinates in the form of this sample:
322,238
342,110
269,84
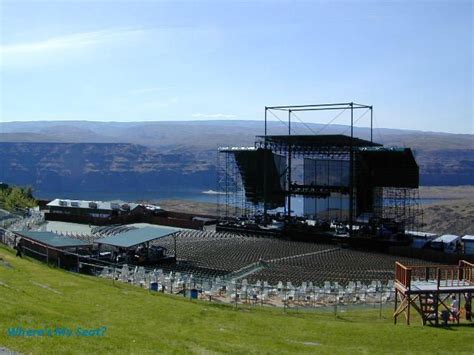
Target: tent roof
52,239
137,236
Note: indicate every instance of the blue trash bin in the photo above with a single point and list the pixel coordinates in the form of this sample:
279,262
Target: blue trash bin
194,294
153,286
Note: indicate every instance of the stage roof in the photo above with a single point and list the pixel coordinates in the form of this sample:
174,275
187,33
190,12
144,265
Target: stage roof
137,236
319,141
53,239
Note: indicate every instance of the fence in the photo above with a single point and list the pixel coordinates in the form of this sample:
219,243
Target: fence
241,293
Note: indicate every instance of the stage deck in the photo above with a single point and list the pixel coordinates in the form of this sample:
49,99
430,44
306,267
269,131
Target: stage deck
445,286
435,278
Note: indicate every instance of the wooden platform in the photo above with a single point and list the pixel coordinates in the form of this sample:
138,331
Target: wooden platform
428,288
432,285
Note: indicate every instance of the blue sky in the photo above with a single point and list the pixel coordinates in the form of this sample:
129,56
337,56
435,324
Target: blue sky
171,60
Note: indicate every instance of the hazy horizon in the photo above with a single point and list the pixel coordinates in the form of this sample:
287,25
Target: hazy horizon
230,121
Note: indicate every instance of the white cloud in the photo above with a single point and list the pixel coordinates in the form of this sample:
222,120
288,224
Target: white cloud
44,50
213,115
76,40
149,90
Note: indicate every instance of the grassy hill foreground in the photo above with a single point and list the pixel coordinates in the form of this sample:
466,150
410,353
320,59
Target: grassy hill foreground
107,317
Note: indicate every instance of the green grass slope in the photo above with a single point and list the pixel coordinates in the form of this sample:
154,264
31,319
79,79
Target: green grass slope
33,296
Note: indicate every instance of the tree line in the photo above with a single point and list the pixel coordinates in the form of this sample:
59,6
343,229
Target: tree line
14,198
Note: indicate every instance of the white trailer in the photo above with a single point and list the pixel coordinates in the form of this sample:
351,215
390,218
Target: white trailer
468,241
449,243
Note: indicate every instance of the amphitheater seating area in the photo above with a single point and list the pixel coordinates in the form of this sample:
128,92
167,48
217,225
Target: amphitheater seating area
213,254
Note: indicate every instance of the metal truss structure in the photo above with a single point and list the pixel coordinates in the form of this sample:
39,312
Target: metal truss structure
240,196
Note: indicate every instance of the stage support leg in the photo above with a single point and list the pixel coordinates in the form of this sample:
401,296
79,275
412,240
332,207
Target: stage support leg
408,309
395,309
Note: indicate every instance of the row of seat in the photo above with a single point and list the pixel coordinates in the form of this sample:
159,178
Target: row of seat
342,265
281,293
283,260
230,252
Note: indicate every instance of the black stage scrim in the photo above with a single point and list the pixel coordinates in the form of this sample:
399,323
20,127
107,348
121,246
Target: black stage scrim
251,165
383,169
388,168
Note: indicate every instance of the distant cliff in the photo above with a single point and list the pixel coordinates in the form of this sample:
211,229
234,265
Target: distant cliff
446,167
104,167
149,156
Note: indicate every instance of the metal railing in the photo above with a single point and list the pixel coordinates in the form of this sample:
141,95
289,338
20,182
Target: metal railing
443,275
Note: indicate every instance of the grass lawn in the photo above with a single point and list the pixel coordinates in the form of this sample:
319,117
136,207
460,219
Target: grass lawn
133,320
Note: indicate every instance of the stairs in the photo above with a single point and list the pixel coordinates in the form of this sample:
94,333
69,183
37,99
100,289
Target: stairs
429,308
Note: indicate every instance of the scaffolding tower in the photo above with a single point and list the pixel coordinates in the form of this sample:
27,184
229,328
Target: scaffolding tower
401,205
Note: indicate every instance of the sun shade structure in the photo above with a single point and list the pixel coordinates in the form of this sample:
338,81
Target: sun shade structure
138,236
52,239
